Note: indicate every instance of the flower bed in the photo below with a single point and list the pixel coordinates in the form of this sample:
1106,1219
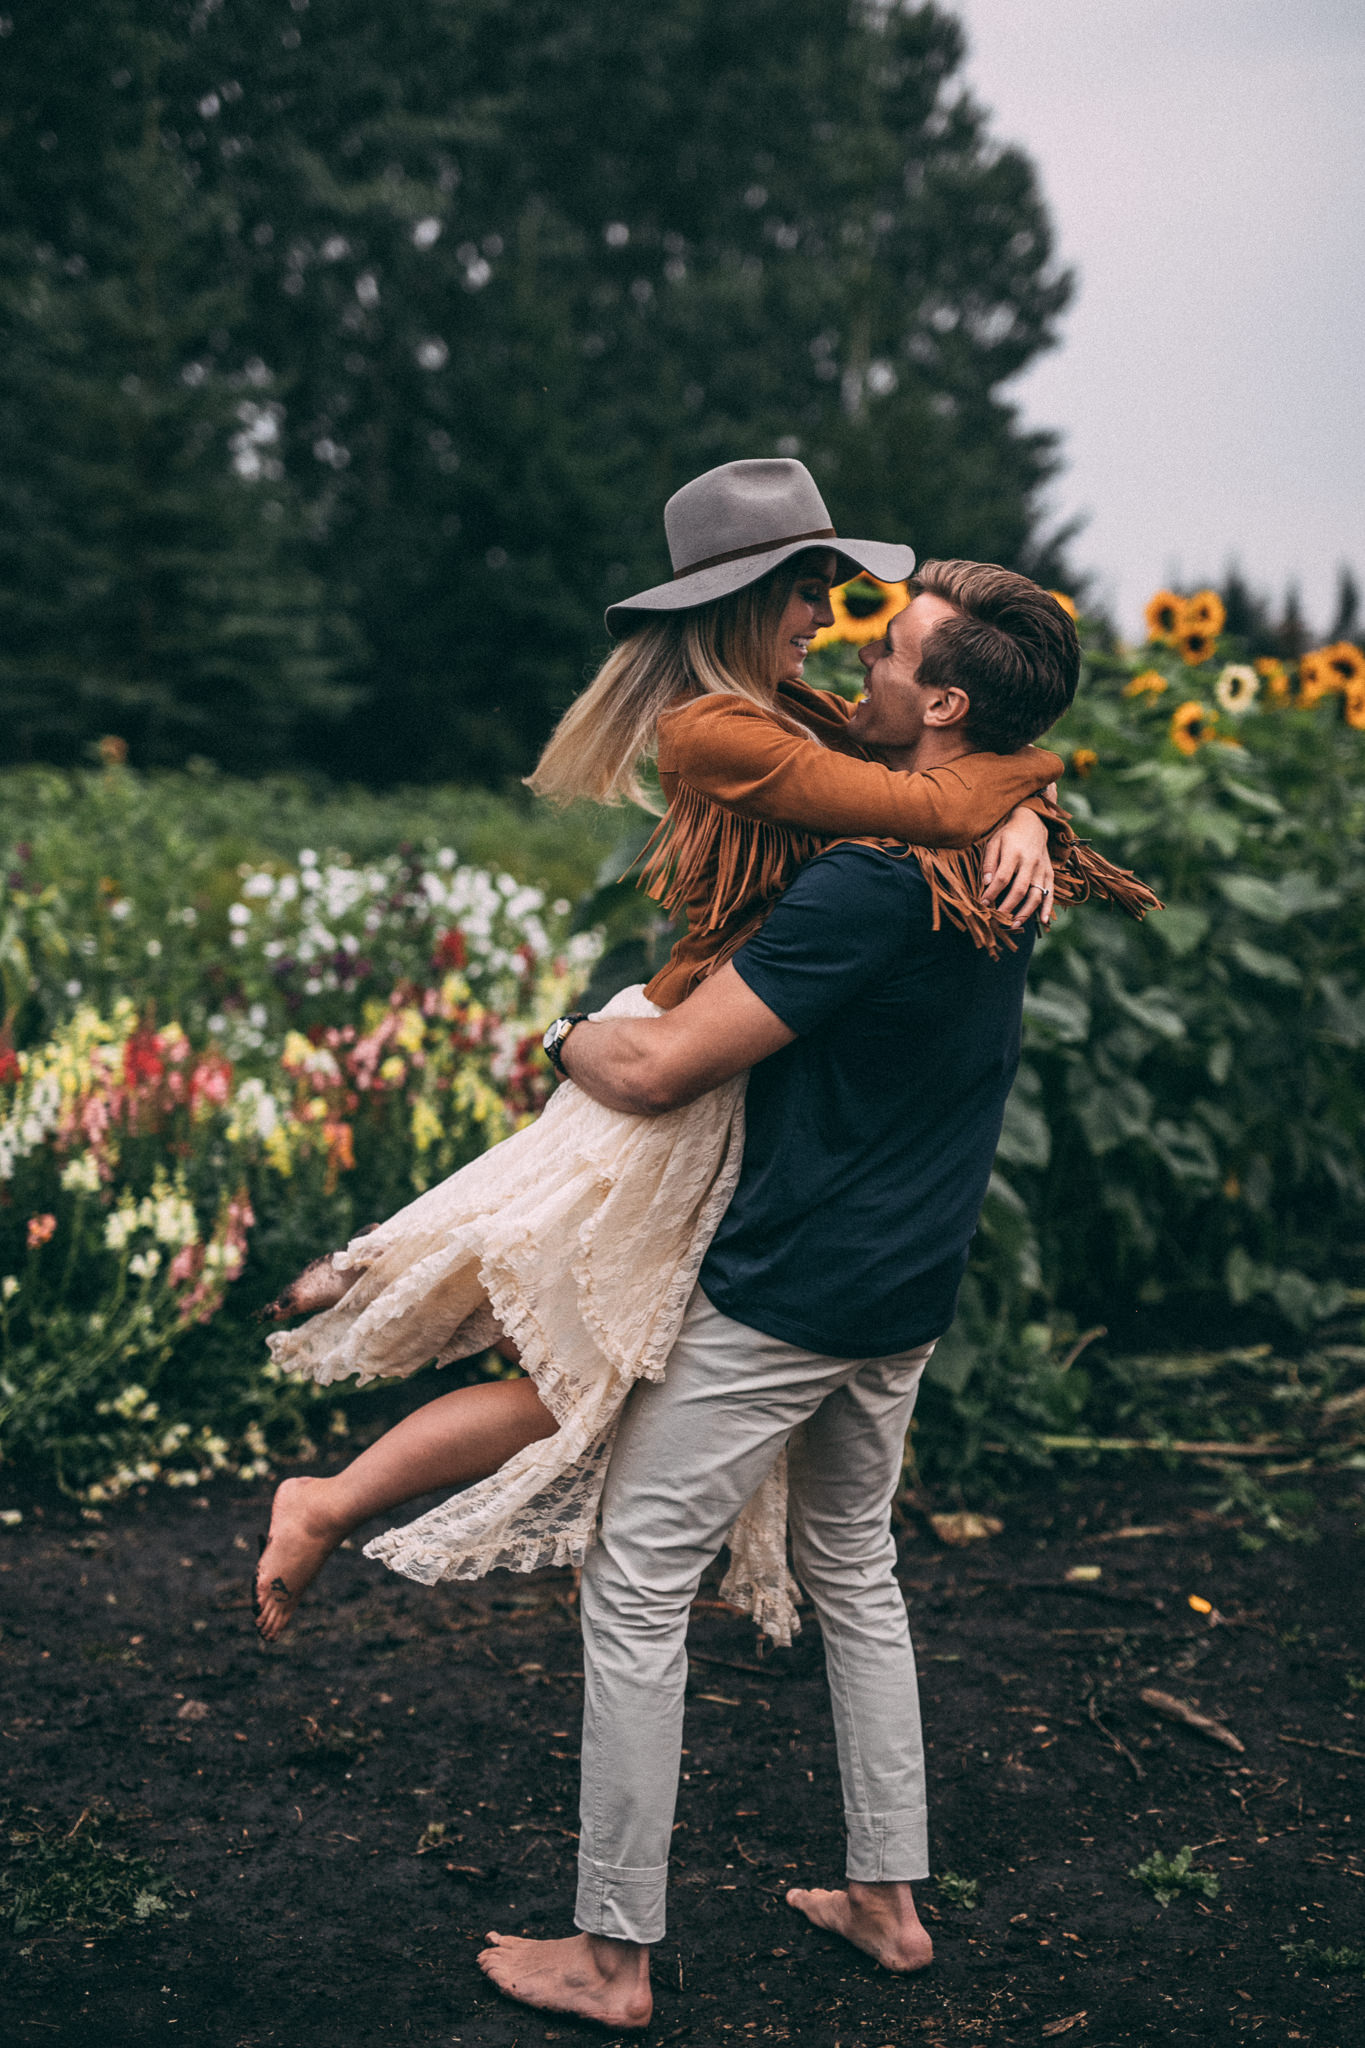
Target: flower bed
373,1030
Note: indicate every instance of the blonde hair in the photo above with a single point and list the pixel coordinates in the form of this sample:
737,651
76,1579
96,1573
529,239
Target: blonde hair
726,647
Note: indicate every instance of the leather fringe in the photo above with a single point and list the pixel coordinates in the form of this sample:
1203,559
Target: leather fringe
714,864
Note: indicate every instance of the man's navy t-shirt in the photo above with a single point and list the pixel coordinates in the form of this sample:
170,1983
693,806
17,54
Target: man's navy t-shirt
869,1140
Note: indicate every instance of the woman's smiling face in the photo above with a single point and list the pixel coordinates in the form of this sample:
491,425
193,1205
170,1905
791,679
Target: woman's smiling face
807,609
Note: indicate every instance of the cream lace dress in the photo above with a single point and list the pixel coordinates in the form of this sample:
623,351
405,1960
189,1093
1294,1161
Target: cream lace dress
580,1238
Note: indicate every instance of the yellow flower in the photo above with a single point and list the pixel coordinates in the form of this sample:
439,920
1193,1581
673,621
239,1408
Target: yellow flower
1317,677
1084,759
426,1125
1196,644
1355,705
863,609
1237,688
1275,676
1164,617
1204,612
1068,604
1150,683
1346,662
1191,725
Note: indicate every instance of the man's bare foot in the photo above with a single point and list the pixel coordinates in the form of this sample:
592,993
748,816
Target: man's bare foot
880,1919
598,1979
300,1542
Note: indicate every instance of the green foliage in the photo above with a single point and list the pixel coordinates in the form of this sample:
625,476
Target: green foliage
960,1891
1321,1960
76,1881
1166,1877
153,580
490,285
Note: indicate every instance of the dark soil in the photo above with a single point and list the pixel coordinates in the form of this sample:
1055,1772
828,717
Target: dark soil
288,1806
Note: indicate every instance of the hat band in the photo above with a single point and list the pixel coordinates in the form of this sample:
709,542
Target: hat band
763,547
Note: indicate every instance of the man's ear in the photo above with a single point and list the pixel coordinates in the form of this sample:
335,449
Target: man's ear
947,707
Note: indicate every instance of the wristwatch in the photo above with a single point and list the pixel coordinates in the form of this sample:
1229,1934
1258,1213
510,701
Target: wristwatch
553,1041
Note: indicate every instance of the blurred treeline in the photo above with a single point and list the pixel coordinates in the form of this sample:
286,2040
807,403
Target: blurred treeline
351,351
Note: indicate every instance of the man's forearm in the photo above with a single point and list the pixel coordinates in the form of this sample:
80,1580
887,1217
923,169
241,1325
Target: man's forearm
649,1065
616,1062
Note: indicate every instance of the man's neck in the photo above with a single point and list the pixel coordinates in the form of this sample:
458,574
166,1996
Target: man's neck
933,749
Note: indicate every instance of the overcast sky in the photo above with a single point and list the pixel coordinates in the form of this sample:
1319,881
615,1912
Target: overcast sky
1203,160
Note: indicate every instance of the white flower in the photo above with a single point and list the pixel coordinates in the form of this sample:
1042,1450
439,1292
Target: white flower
81,1176
239,913
119,1227
143,1265
9,1287
1237,688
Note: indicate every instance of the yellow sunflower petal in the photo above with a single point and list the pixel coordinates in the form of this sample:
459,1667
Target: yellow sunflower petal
1151,683
1191,725
1204,613
1163,616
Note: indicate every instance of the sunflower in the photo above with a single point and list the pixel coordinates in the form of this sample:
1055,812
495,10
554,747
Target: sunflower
1346,662
1237,688
1192,724
1196,644
1275,676
1204,612
1151,683
1084,759
1355,705
1164,616
863,609
1317,677
1068,604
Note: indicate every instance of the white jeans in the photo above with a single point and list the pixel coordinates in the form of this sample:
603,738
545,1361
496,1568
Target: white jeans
690,1451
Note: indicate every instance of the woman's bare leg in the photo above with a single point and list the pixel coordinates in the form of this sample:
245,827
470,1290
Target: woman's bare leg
455,1439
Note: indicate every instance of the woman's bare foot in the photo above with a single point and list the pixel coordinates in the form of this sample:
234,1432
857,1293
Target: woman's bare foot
880,1919
598,1979
300,1542
317,1286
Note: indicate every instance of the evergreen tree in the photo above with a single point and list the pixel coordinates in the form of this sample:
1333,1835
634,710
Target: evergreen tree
521,270
152,580
1346,623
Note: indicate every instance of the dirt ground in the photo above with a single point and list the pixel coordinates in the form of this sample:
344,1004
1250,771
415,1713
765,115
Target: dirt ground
288,1804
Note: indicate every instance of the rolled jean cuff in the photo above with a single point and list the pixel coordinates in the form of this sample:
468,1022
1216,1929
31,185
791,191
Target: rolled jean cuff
888,1848
622,1901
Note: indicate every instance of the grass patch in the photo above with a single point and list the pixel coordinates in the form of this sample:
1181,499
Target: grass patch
1166,1877
960,1891
76,1880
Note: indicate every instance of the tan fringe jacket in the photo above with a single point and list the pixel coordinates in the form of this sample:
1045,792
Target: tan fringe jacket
752,797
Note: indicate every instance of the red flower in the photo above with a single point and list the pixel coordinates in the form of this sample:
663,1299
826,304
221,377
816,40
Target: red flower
143,1065
40,1229
9,1065
451,950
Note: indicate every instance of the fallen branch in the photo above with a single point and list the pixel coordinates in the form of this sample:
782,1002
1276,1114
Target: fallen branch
1110,1736
1181,1446
1180,1710
1336,1748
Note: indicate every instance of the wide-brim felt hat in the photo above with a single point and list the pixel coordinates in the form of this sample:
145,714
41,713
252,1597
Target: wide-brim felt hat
735,523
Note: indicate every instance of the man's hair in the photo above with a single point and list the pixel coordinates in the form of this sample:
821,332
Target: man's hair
1012,649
